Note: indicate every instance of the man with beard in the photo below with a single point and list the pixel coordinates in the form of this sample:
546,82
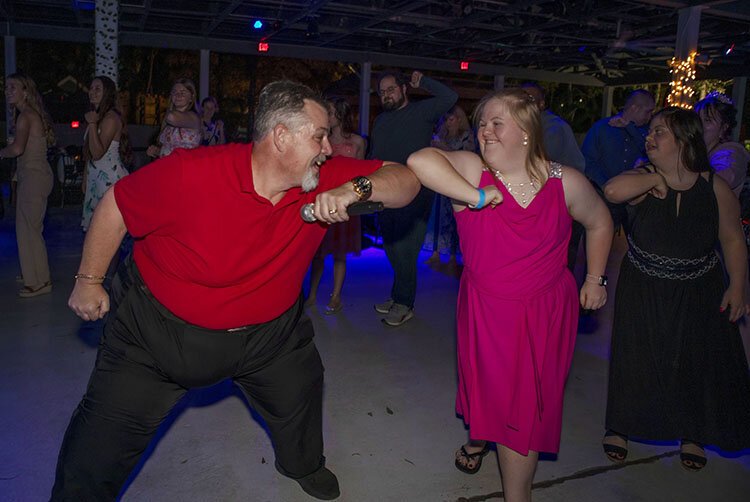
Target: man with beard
213,291
403,128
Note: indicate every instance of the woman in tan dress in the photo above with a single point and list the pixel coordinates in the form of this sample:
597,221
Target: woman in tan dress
33,136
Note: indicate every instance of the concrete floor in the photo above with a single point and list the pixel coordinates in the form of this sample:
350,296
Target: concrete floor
390,427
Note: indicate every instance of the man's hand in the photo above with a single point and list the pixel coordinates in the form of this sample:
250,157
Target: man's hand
617,121
330,206
89,301
416,79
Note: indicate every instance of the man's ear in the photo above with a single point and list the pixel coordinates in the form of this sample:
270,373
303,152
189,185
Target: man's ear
280,137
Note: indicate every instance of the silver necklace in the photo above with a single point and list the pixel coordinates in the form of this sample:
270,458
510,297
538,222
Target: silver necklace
525,191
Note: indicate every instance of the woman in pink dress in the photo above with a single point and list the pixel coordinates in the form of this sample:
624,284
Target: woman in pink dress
517,304
181,127
345,237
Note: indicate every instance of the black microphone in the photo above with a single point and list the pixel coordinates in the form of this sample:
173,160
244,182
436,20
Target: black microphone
356,209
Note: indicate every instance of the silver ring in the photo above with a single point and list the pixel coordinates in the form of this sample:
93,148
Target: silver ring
333,211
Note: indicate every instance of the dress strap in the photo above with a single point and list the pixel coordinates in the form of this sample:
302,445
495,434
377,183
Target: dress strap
555,170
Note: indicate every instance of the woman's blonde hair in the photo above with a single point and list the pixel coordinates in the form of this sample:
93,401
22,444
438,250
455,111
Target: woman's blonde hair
463,123
34,101
524,111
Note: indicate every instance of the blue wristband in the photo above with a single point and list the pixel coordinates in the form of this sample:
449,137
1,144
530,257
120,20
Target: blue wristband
482,197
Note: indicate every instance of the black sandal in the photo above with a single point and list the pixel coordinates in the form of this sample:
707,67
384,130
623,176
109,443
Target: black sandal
691,461
469,457
616,454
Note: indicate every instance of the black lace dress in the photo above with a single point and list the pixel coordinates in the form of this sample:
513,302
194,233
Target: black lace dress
677,366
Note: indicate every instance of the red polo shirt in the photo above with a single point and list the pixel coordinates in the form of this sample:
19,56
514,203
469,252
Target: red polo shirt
212,250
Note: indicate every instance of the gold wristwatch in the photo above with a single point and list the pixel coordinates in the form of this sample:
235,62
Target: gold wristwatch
362,187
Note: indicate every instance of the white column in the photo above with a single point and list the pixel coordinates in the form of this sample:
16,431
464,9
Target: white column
607,98
688,24
499,82
10,67
738,96
365,75
106,23
203,86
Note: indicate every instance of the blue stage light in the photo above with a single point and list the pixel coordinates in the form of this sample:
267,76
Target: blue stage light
258,24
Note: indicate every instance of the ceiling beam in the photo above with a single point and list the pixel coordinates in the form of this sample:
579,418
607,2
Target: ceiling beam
188,42
144,15
218,19
380,17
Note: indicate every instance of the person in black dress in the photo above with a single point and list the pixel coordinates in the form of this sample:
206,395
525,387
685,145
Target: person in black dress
677,367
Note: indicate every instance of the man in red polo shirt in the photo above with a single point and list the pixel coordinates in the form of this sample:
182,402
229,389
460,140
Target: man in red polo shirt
212,291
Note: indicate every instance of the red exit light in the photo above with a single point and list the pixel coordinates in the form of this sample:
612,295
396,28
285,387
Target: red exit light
464,65
75,124
262,46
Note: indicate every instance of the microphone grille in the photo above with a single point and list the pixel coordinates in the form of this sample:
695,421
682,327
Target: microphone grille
306,212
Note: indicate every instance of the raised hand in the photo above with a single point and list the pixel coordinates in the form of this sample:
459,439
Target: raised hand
416,79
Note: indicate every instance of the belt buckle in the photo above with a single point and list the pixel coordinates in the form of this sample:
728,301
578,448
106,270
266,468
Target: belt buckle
234,330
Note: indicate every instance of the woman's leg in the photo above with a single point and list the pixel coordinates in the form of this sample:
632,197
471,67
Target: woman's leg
316,274
517,472
339,274
31,207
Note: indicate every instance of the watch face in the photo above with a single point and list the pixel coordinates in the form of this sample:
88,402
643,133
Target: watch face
603,280
362,186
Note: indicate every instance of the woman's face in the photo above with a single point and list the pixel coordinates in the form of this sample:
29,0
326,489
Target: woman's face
209,108
661,145
713,127
96,92
451,123
14,92
498,133
181,96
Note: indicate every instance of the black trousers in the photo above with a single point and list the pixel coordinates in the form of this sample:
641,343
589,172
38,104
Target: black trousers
146,362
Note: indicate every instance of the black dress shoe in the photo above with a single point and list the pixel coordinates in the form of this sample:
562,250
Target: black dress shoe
321,484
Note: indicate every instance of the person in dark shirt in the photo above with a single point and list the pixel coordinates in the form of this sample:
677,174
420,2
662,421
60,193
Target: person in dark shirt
403,128
615,144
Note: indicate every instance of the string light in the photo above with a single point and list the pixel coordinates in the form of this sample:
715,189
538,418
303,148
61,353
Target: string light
683,74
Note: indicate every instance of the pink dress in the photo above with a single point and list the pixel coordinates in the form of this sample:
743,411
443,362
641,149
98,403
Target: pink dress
343,237
517,317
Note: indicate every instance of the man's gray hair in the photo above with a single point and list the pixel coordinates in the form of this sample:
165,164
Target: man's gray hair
283,102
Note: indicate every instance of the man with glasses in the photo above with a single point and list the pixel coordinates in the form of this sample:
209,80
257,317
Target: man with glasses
404,127
615,144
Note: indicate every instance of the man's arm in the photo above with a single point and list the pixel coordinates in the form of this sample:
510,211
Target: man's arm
393,184
443,96
88,299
